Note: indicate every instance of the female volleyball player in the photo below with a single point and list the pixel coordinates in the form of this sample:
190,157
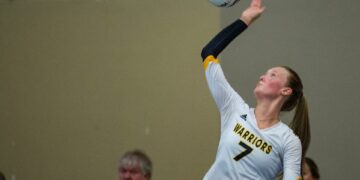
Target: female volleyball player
254,143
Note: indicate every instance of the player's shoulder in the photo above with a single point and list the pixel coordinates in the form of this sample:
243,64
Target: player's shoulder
291,140
286,133
283,129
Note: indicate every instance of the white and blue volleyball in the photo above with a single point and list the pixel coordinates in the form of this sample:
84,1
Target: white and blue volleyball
223,3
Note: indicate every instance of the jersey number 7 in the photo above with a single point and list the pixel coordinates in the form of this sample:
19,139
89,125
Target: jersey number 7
247,151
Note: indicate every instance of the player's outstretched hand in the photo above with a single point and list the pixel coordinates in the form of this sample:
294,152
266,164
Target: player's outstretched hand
251,13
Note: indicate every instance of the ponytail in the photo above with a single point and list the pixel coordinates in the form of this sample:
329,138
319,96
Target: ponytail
301,124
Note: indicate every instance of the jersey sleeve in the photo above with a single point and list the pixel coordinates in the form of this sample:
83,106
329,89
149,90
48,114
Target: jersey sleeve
292,159
224,95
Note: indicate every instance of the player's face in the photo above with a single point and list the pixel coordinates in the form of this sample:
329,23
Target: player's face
272,83
307,173
131,173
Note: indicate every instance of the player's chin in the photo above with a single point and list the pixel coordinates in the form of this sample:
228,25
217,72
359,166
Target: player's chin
260,93
257,91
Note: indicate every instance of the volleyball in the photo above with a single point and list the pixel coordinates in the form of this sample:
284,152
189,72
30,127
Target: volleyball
223,3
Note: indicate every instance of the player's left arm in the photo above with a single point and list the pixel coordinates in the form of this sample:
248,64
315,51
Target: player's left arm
292,159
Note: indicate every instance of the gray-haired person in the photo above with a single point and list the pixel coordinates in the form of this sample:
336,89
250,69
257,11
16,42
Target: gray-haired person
135,165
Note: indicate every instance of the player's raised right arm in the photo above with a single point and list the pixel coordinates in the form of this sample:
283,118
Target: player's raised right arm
228,34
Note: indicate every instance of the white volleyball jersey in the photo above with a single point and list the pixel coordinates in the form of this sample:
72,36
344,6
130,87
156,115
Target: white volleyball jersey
245,151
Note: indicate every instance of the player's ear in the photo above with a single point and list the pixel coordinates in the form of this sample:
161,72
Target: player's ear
286,91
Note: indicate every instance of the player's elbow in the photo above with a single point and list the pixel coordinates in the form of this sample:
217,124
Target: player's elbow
205,53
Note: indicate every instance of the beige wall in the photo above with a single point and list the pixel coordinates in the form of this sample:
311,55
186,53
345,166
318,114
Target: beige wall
84,81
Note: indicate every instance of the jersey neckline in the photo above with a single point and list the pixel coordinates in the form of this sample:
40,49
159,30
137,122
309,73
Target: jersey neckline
254,121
